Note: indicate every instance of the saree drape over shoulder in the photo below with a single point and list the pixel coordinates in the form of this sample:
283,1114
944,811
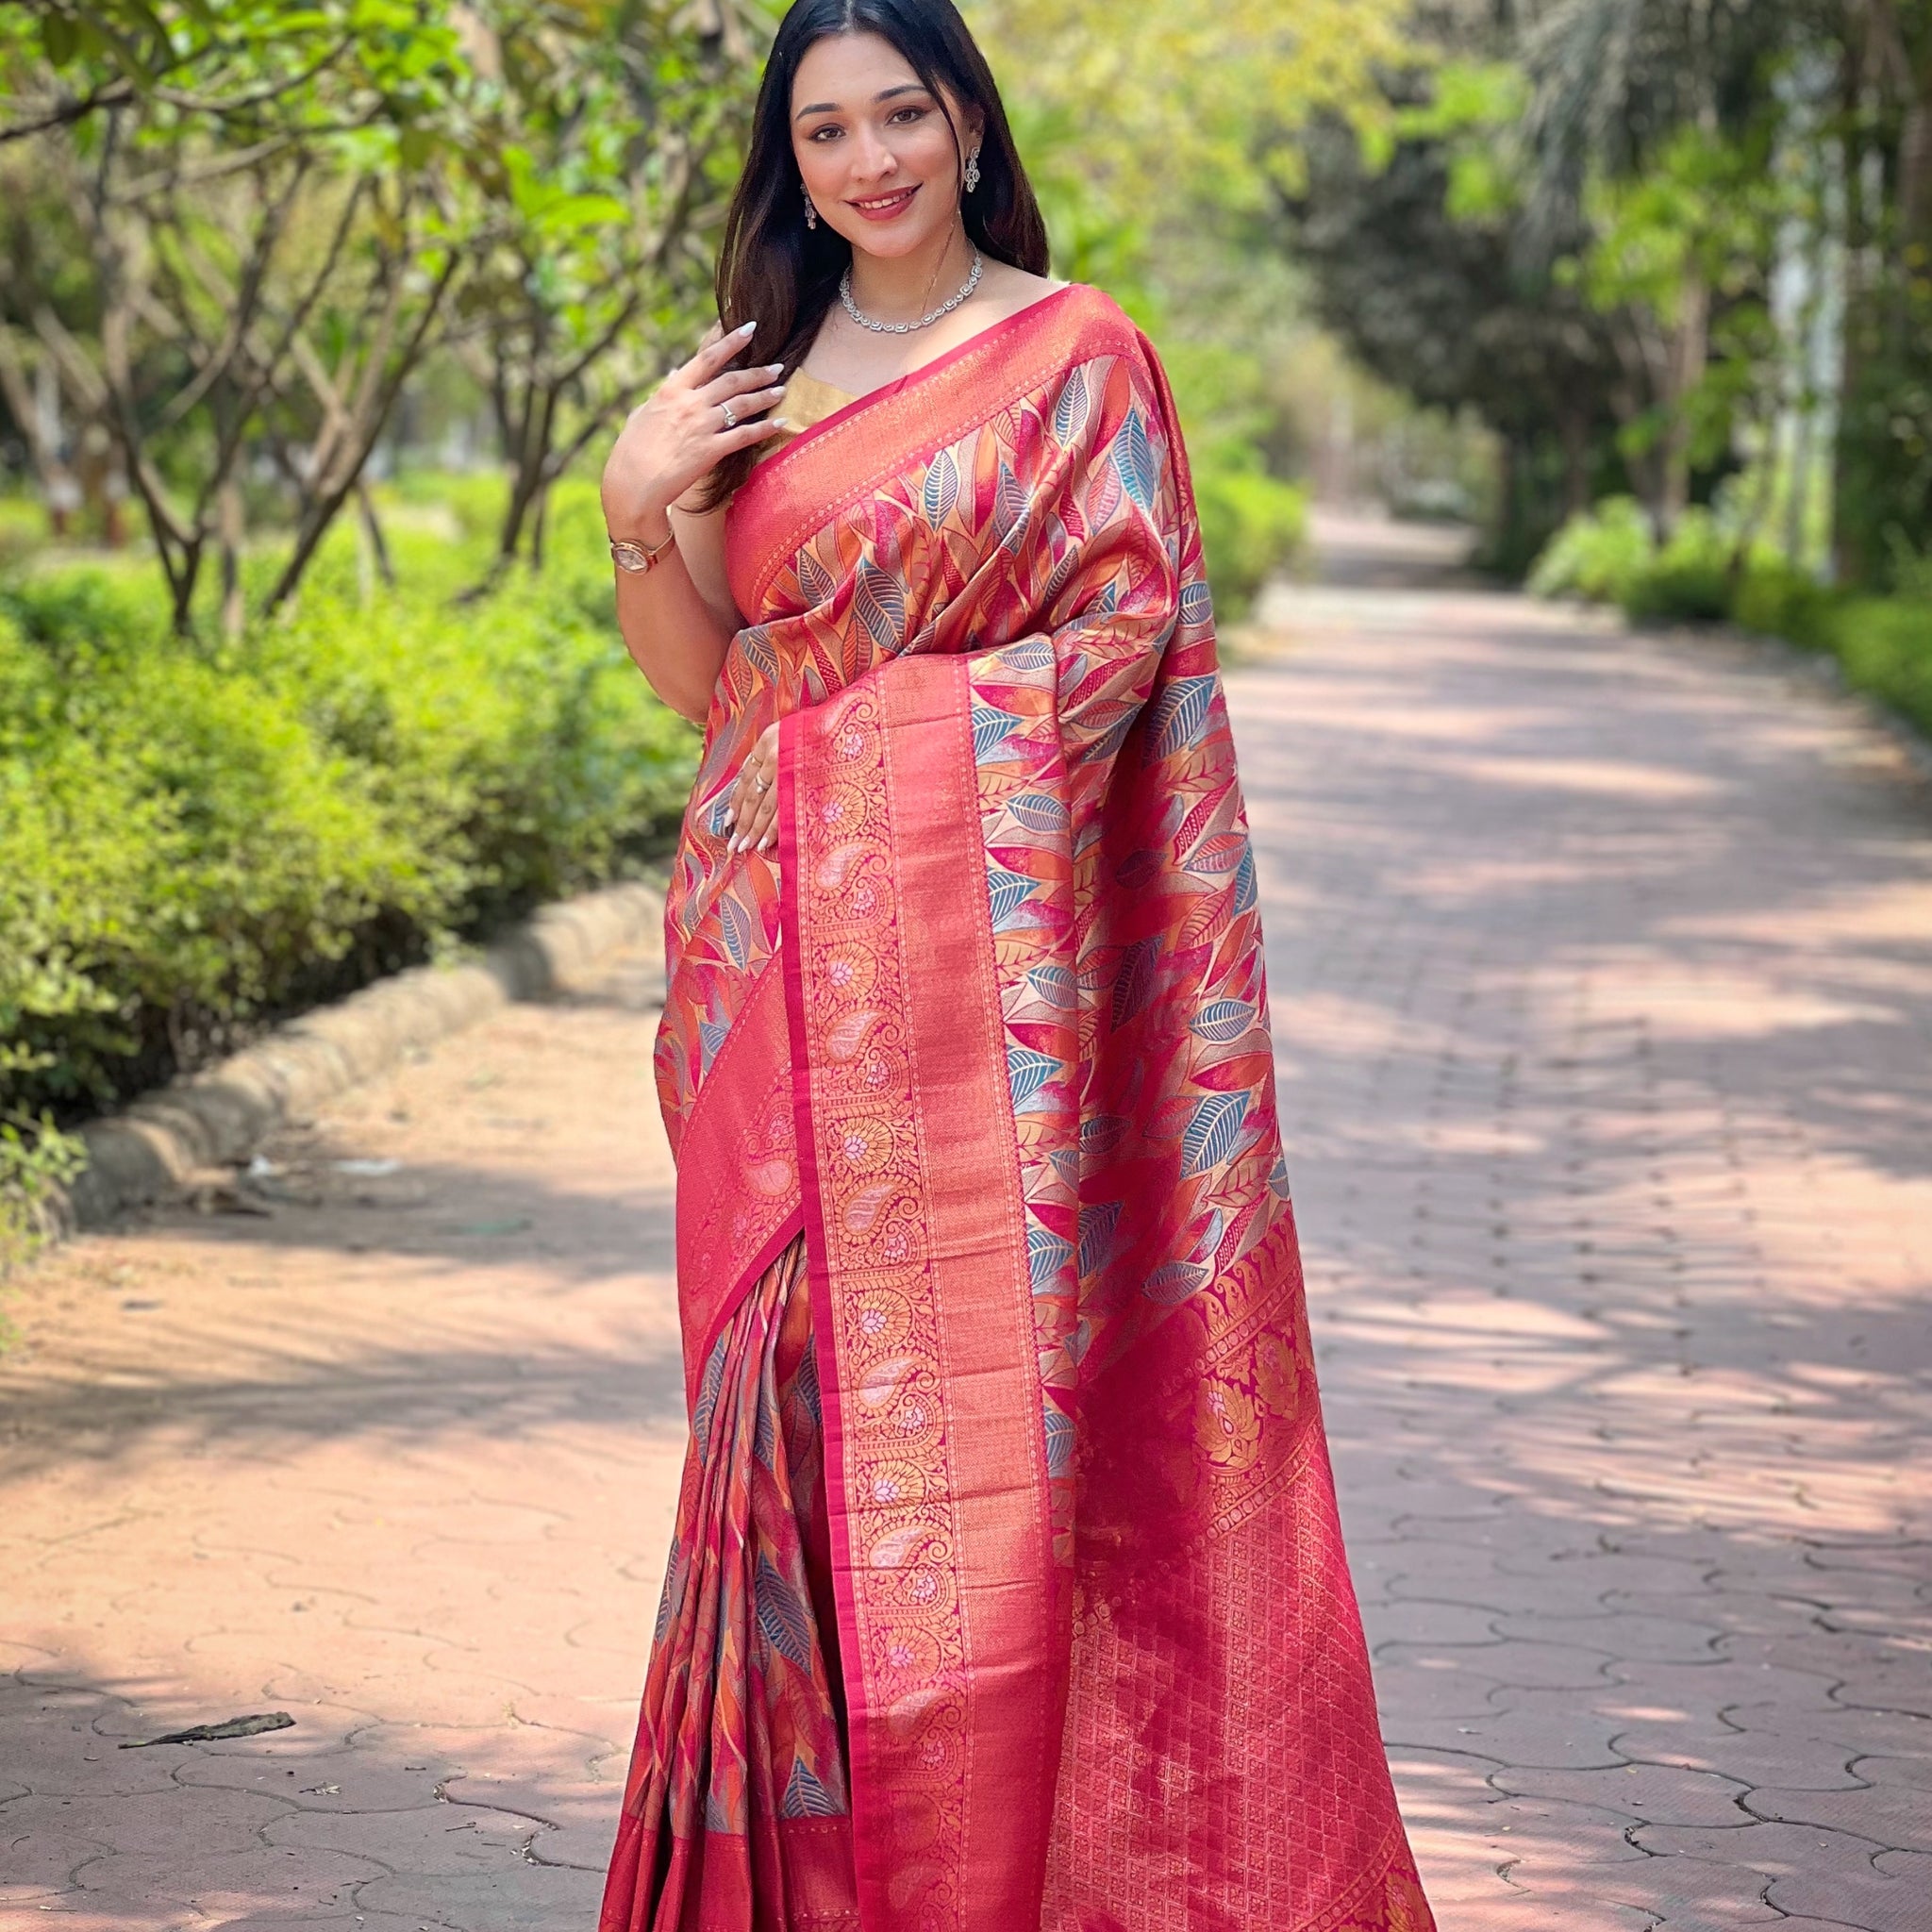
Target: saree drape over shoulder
1007,1589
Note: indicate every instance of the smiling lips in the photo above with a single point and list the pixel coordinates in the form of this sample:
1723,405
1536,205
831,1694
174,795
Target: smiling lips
886,207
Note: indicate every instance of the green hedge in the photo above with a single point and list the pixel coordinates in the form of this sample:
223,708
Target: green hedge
1251,525
1609,555
194,838
1612,556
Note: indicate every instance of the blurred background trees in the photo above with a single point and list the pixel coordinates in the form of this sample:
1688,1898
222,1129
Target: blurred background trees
237,234
314,317
1706,224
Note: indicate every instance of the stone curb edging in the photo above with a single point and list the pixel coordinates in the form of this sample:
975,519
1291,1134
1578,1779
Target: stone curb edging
150,1150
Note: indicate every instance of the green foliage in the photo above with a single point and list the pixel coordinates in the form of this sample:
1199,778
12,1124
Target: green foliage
36,1158
1610,555
1884,444
235,232
1251,525
607,136
248,65
23,529
1780,601
1598,555
1883,643
1690,580
195,839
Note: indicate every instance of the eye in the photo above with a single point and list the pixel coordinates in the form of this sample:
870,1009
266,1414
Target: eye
819,134
906,116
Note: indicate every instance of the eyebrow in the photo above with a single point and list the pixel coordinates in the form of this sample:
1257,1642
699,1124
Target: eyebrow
912,86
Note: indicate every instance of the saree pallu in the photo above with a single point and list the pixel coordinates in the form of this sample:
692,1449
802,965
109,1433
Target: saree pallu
973,1097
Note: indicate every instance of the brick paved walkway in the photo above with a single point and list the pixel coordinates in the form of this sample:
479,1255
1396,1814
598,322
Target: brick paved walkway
1603,983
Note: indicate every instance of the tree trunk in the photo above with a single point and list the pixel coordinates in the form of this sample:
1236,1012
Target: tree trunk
371,529
34,408
540,524
1847,551
1690,356
229,526
1574,427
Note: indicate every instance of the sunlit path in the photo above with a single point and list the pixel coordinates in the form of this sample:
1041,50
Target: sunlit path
1601,971
1602,980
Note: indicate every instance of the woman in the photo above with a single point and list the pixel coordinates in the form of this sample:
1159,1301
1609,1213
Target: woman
1007,1590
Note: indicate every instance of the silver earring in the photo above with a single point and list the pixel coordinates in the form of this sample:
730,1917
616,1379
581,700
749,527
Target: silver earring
811,213
971,170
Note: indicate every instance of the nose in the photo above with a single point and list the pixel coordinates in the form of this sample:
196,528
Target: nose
871,160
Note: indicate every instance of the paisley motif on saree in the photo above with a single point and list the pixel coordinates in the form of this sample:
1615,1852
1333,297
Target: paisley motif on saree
993,1037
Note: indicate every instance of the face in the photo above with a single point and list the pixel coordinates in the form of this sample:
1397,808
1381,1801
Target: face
876,148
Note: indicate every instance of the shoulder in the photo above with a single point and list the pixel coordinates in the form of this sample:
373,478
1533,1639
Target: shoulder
1088,325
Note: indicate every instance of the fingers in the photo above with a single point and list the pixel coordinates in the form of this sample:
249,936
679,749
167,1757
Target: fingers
759,830
712,356
752,818
748,435
744,405
738,814
734,383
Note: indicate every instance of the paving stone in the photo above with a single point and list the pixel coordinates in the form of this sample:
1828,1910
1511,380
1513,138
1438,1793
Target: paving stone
1527,1666
521,1898
1898,1815
1428,1620
1871,1902
1906,1773
1544,1728
435,1840
1634,1636
1649,1794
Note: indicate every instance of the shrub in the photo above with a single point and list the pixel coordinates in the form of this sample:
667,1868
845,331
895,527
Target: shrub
1251,525
194,838
1885,644
1597,555
23,528
1781,602
1609,555
1689,581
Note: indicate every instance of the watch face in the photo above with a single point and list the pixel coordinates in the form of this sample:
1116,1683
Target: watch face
634,556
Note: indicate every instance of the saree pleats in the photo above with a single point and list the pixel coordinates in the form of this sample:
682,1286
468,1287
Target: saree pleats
737,1818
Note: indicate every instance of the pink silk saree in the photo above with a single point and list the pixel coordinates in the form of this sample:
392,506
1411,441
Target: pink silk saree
1023,1603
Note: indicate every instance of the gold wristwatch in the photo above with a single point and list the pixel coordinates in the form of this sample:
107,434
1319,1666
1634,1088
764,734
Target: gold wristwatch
636,558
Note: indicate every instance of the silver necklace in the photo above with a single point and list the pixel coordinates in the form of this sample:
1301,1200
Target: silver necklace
907,329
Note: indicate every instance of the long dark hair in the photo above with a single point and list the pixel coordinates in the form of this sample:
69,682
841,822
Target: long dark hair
775,271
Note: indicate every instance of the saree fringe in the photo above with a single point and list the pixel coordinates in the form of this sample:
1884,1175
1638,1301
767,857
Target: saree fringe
737,1818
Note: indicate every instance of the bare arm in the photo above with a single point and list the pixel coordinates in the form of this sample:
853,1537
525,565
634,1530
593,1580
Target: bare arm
675,634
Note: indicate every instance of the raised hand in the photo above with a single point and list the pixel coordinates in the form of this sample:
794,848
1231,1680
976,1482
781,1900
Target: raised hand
700,414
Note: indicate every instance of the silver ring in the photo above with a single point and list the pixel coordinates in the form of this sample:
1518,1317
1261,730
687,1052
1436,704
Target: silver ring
730,420
763,784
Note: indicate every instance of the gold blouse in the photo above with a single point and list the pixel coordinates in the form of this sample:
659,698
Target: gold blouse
806,403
